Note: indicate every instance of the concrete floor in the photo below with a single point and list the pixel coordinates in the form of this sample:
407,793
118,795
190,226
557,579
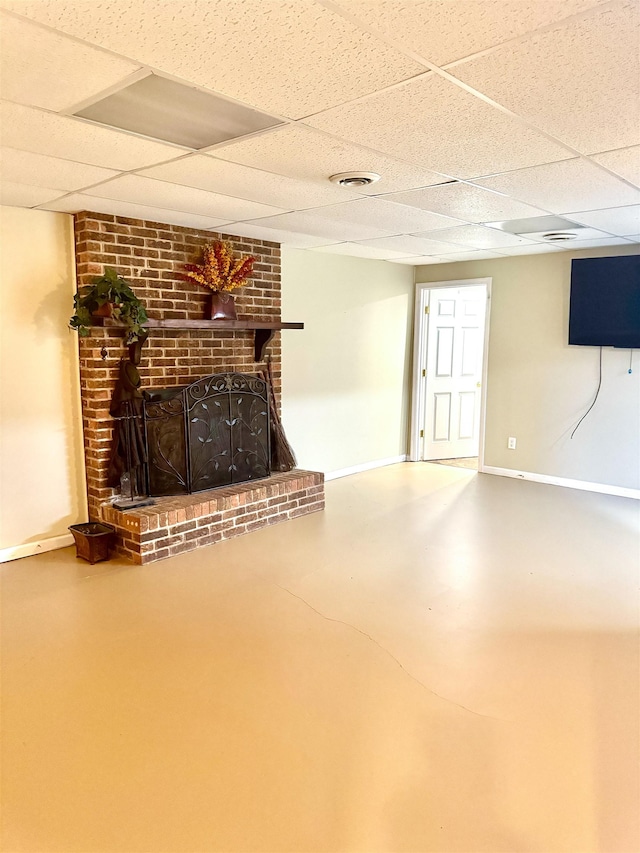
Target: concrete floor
442,661
470,462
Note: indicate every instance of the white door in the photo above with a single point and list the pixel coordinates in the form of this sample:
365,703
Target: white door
454,350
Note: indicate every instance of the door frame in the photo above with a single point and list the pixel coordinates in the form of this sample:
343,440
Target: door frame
419,383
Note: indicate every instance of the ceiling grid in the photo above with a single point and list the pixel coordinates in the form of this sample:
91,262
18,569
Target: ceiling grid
474,114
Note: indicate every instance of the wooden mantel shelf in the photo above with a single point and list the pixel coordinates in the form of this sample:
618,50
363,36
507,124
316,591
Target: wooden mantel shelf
264,329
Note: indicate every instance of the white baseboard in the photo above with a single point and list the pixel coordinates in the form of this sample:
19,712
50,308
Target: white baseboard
32,548
583,485
366,466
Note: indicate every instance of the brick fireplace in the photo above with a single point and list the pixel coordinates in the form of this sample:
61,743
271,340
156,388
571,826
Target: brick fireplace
150,256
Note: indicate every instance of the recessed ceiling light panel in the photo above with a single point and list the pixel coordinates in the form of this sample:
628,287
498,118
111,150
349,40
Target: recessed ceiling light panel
355,179
534,225
163,109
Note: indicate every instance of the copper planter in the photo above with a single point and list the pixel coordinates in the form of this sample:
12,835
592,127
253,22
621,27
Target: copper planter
94,540
222,306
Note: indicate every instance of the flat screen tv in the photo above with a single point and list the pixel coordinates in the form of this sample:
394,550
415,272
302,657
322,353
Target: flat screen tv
604,309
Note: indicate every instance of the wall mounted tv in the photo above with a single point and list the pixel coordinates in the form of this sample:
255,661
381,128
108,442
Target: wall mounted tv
604,309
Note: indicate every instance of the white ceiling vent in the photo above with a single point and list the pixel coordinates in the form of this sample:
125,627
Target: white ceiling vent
559,236
163,109
354,179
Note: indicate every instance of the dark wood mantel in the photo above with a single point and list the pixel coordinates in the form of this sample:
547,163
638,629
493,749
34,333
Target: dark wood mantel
264,329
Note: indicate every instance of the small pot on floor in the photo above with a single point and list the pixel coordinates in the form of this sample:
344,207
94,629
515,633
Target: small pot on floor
94,540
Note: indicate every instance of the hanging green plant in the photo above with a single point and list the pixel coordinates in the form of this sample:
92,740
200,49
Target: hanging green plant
109,295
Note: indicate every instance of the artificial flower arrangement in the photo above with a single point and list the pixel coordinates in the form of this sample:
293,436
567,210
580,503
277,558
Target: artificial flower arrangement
219,271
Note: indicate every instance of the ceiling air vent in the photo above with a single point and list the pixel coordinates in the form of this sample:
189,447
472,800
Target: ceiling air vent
559,237
354,179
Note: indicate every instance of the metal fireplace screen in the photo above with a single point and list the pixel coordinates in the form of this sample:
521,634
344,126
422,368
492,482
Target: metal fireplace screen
211,433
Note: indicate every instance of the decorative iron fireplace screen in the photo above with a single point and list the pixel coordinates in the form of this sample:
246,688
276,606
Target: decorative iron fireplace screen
211,433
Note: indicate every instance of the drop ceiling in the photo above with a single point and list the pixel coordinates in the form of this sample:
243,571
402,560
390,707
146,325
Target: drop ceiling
475,114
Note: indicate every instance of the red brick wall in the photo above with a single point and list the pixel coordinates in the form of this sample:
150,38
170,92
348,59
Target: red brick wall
149,255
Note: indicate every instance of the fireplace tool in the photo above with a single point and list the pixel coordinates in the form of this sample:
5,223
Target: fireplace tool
132,478
282,456
128,454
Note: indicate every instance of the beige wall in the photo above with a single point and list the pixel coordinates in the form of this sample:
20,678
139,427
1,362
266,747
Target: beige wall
41,454
346,377
539,387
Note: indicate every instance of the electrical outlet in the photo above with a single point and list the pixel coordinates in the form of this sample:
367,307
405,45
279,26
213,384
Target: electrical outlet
511,444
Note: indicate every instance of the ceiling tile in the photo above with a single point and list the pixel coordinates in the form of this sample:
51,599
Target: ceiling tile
359,250
23,167
386,214
463,201
532,249
624,162
313,222
304,153
561,187
579,82
23,195
429,221
138,190
478,237
285,238
477,255
605,241
621,221
76,202
443,31
72,139
231,179
417,261
409,245
44,69
292,57
437,125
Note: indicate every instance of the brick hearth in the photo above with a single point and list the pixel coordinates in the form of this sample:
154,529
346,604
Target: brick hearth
178,524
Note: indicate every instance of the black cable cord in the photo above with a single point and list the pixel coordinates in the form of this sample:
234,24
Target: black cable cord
594,399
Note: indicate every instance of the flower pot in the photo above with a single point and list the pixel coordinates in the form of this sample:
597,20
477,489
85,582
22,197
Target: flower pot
222,306
105,310
94,540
